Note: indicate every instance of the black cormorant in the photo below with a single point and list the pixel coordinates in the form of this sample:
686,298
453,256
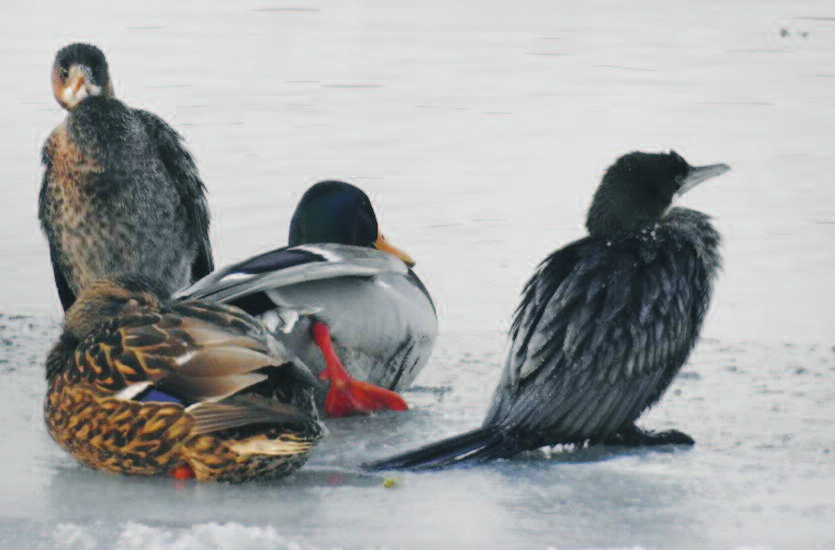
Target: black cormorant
356,285
604,324
120,192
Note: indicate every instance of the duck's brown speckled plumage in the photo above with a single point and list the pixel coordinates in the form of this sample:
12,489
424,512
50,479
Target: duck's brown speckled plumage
120,191
244,405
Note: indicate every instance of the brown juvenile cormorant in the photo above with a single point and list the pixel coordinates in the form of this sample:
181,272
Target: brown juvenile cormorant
359,289
605,323
120,192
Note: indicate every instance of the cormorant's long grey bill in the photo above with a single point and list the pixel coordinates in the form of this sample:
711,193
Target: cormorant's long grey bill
698,174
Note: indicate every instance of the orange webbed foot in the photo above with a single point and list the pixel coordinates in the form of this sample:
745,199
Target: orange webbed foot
346,396
182,471
355,397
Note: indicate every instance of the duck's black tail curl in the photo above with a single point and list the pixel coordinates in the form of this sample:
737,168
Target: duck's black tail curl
478,445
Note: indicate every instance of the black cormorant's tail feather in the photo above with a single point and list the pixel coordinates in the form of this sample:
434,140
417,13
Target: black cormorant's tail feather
478,445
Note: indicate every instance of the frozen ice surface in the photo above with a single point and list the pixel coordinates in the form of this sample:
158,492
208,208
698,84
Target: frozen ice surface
480,129
761,474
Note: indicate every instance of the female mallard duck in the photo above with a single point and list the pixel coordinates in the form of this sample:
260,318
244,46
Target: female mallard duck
120,192
604,324
360,289
144,386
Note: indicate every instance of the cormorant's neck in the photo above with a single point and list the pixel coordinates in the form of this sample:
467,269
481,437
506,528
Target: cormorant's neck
102,122
608,214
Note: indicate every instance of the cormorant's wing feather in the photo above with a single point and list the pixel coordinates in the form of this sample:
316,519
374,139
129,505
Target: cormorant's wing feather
476,445
602,328
65,294
183,171
529,332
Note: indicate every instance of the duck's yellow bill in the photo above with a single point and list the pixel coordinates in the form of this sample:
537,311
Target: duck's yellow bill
382,244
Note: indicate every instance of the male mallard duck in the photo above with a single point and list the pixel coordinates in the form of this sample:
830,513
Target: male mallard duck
604,324
141,385
120,192
360,288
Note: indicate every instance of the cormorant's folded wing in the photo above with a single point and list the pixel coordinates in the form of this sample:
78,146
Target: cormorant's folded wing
602,328
183,171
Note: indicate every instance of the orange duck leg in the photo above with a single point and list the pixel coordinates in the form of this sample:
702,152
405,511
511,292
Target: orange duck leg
346,396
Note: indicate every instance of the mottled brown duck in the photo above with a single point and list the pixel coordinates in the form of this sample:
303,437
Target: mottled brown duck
141,385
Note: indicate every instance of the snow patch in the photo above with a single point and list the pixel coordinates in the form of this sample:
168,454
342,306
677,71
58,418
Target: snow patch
138,536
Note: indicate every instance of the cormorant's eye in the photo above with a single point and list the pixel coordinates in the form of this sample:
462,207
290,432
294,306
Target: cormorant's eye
63,73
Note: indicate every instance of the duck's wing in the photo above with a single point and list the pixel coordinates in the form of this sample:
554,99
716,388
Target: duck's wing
239,411
183,171
602,328
250,281
196,353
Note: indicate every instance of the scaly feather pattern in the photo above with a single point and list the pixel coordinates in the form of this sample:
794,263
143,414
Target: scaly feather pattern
141,385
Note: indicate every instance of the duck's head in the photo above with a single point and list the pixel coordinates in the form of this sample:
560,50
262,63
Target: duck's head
639,188
108,299
338,212
80,71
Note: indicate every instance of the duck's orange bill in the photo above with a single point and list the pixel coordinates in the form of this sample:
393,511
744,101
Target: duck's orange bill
382,244
346,396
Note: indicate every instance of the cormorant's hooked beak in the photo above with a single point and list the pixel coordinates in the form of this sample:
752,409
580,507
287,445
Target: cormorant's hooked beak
382,244
78,86
697,175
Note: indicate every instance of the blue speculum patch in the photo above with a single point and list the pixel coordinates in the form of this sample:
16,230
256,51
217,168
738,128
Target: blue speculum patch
159,397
